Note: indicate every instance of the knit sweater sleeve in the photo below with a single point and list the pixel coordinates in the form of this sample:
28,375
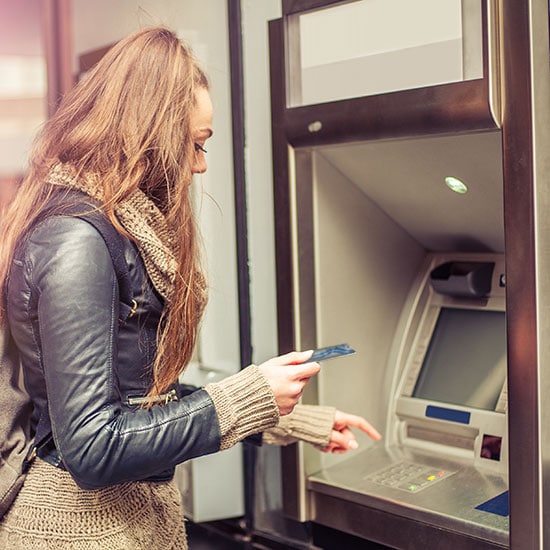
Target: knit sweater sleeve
245,405
310,423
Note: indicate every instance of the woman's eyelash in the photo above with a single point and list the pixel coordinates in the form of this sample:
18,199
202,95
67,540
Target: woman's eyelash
199,147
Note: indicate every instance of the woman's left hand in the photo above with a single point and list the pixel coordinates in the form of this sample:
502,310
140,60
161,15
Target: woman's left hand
342,438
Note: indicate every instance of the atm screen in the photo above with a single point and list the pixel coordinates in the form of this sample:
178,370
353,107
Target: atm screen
466,359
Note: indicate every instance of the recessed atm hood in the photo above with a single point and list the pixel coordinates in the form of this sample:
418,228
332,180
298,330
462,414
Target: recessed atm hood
405,178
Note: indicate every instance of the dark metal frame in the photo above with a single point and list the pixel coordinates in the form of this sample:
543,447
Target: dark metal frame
243,275
56,16
301,6
521,292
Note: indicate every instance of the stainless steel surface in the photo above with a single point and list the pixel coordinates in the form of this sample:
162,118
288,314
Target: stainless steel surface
293,67
448,504
391,530
526,177
540,109
300,198
494,49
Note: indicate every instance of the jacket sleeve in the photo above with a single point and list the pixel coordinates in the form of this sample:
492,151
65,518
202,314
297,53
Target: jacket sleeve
101,442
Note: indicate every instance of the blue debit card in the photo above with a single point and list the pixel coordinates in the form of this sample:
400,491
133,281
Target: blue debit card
322,354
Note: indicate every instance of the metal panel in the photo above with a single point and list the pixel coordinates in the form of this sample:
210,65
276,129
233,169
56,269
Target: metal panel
299,6
386,528
456,107
281,190
521,232
527,176
540,99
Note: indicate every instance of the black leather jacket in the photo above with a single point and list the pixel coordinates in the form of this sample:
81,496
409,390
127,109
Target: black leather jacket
85,369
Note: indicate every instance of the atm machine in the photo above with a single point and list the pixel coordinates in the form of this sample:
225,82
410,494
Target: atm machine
445,456
434,286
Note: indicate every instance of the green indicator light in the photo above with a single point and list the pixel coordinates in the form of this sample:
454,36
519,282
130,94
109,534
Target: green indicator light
456,185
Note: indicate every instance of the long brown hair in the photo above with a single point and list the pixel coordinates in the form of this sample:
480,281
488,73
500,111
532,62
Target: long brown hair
128,121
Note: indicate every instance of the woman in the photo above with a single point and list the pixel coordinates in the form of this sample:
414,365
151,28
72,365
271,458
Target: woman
127,141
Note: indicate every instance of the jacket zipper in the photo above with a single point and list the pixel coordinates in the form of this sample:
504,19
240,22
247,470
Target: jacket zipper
162,398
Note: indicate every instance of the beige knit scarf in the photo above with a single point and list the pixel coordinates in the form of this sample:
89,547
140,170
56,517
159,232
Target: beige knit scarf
143,221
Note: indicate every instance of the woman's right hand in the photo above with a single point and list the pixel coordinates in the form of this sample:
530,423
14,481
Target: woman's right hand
288,375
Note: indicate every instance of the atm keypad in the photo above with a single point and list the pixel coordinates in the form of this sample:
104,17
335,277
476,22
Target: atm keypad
408,476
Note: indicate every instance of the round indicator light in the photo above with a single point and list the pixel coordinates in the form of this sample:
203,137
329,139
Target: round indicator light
456,185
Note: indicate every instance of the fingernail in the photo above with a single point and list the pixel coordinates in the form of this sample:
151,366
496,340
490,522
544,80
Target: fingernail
353,444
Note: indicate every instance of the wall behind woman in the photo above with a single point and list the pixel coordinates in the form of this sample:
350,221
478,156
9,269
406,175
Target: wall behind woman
204,25
22,89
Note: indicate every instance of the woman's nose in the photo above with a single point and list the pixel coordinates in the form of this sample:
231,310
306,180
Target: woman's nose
199,165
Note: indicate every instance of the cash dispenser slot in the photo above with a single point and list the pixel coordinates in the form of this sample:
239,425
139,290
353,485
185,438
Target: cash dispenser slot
463,279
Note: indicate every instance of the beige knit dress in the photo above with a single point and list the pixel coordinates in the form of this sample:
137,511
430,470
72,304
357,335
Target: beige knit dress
52,512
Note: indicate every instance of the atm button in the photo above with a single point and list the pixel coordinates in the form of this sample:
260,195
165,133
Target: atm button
410,486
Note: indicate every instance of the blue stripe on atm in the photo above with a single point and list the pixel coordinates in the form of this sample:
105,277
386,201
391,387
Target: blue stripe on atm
442,413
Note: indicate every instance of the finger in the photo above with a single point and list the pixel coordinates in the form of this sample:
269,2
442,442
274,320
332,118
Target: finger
344,419
291,358
294,357
370,430
347,433
330,448
306,370
344,440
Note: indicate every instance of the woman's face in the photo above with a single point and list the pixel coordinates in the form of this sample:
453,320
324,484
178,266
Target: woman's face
201,128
